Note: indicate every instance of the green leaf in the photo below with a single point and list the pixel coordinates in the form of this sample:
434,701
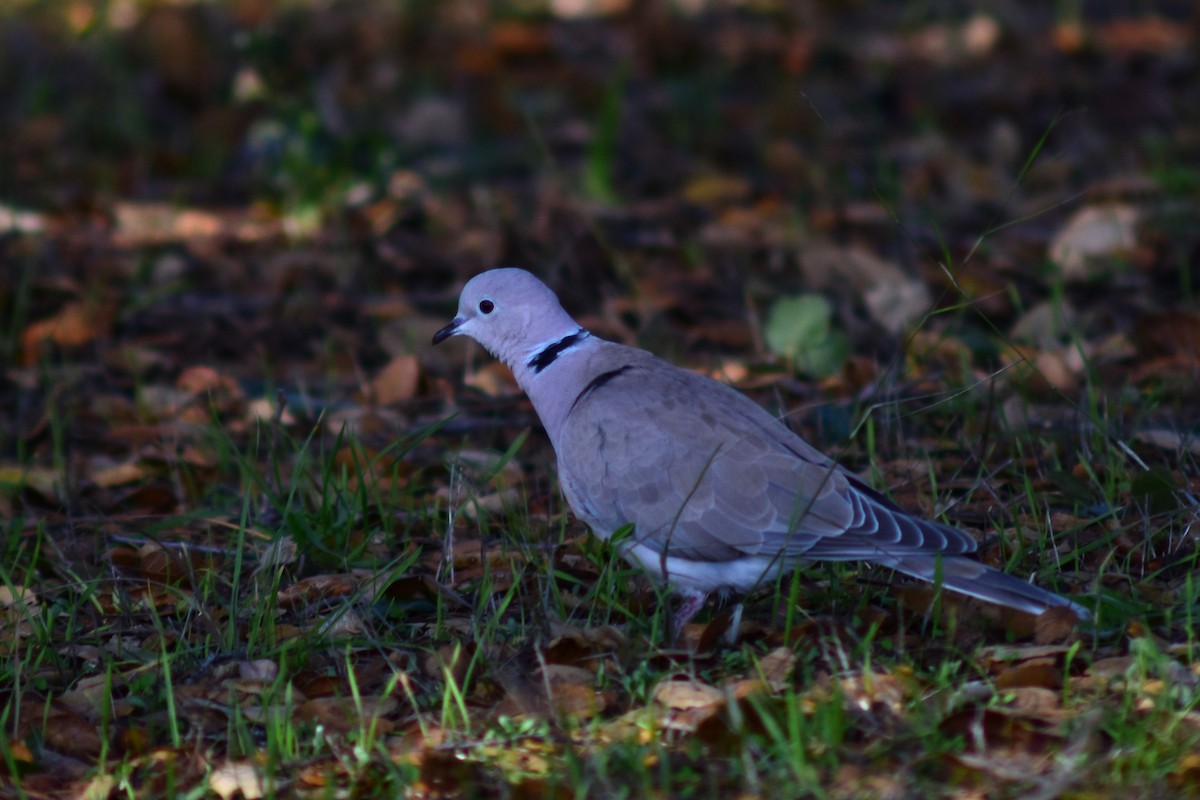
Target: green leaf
798,328
826,358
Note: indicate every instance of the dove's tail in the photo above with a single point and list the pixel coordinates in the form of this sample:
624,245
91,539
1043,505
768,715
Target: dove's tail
978,580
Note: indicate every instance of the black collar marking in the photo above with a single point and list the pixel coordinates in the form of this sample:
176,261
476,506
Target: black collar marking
552,351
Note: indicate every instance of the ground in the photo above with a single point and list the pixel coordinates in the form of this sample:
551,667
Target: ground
264,540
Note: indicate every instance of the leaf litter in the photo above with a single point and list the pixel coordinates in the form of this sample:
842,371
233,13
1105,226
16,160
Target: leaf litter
260,538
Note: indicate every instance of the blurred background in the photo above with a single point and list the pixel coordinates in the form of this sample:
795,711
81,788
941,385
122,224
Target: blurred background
591,136
864,193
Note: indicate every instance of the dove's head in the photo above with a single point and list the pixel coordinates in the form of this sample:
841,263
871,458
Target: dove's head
511,313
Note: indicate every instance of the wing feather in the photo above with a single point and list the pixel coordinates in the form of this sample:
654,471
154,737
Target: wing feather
701,470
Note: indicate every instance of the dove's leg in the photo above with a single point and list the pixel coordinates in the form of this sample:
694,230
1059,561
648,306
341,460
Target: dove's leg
693,601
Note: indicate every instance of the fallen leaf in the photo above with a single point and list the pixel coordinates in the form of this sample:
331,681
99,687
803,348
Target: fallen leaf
799,329
1170,440
237,778
19,607
716,189
319,588
146,224
493,379
894,299
1148,34
686,694
1041,673
120,474
396,382
67,731
776,668
75,324
1092,238
208,381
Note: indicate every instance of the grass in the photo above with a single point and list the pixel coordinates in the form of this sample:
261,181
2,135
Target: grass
860,695
320,620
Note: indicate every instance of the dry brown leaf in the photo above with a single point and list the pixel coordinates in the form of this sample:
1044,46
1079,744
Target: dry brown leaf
146,224
894,298
206,380
19,599
1034,701
946,45
19,607
397,382
776,668
45,481
1041,673
263,670
318,684
319,588
75,324
716,189
1166,439
1055,624
572,691
493,379
235,778
342,623
158,564
264,408
687,694
1112,667
1092,235
320,773
1186,775
92,694
1046,325
519,38
635,725
112,475
872,688
280,552
1069,36
482,505
67,731
1005,654
1151,34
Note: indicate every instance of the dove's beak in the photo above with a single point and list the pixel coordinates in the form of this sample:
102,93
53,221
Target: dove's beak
448,331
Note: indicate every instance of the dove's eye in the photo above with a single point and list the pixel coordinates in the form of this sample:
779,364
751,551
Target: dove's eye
486,306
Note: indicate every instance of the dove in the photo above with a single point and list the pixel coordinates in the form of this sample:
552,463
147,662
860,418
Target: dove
719,494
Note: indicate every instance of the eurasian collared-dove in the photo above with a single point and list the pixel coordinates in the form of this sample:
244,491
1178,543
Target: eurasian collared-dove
721,495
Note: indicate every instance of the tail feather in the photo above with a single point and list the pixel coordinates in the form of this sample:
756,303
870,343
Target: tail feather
978,580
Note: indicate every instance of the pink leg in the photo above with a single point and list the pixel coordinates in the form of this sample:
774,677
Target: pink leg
692,603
